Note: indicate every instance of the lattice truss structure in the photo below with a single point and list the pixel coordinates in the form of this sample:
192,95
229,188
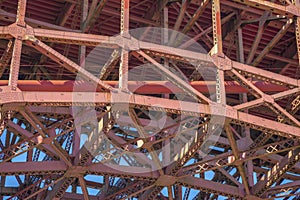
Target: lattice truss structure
50,148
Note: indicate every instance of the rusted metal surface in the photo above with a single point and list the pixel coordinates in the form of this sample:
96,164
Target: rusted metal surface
223,123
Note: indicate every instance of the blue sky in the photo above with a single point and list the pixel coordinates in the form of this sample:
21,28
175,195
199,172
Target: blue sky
12,182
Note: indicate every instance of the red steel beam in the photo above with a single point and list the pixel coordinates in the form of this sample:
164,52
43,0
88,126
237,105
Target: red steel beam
122,171
289,10
208,186
144,87
55,167
169,105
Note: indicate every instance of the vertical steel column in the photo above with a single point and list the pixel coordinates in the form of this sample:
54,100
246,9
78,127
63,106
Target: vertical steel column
217,26
164,40
297,31
123,70
16,57
165,34
178,194
82,50
166,24
82,54
15,63
170,193
220,87
218,49
20,20
240,45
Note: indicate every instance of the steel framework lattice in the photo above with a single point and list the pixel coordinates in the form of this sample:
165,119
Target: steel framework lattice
68,132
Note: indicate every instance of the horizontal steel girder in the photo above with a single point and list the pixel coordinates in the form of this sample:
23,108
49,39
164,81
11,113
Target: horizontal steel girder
189,108
139,87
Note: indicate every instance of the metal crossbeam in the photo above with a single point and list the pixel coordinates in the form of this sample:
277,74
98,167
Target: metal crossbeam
134,129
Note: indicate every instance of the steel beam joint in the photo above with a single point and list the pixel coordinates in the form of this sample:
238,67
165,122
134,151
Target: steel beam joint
222,63
268,99
75,171
127,42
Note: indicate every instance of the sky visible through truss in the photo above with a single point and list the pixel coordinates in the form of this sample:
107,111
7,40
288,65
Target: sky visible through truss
12,182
